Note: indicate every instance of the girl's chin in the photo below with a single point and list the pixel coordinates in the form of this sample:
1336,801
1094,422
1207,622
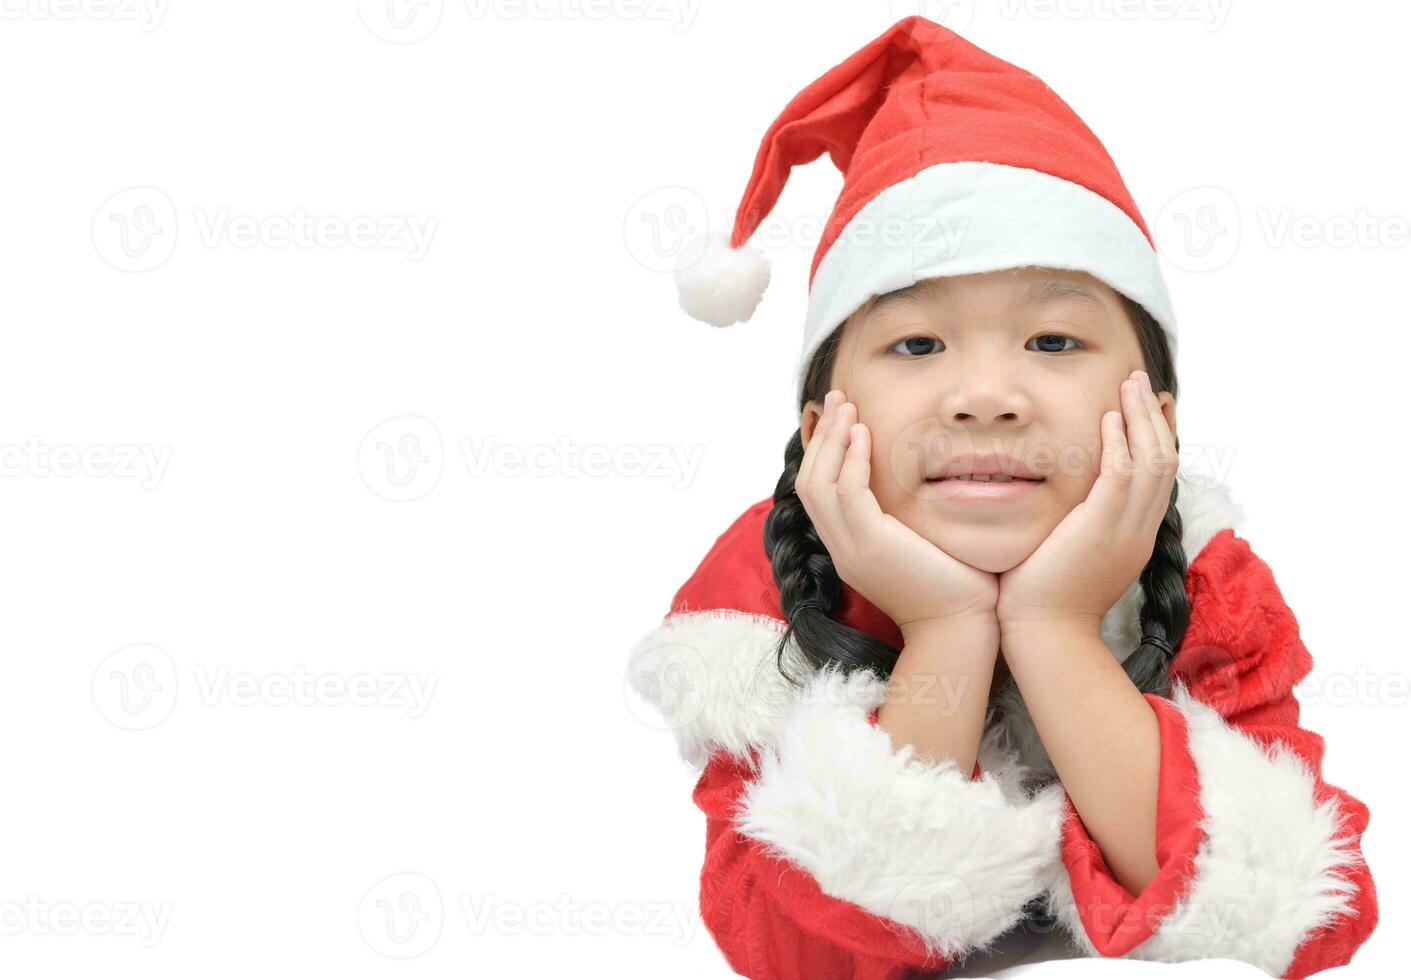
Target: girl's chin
987,548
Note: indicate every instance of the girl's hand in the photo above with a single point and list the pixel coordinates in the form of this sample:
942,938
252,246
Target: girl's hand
898,571
1095,553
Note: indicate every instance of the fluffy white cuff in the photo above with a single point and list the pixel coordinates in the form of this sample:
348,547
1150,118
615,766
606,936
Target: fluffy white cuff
1265,869
915,842
714,679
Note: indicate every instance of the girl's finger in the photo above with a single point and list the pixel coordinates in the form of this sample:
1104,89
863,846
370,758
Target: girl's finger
855,499
1141,437
834,444
823,477
1110,490
810,451
1164,459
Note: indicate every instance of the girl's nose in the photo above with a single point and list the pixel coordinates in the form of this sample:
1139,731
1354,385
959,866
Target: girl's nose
996,400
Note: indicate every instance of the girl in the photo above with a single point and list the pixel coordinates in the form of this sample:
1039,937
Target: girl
987,660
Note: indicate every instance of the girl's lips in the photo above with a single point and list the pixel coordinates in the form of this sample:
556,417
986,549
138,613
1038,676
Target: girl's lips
981,489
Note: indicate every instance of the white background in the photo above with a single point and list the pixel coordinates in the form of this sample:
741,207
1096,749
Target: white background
331,492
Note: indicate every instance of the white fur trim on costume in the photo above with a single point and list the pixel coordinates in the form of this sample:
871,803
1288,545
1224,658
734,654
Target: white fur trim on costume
713,677
1205,506
718,284
1265,869
952,219
916,842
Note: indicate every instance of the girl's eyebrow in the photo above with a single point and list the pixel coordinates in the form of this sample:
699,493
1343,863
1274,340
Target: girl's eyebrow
1040,293
915,293
1053,290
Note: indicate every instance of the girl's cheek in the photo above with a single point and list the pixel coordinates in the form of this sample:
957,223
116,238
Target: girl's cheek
1076,467
896,462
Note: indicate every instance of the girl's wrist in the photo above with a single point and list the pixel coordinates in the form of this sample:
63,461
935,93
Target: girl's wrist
967,627
1019,634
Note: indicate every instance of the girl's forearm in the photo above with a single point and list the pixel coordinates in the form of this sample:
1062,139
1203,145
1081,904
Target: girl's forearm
1102,737
939,690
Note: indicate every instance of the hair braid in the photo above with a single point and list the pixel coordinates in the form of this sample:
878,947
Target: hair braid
803,570
1166,611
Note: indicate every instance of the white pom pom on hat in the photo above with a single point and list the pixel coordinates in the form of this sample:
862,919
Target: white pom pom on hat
954,162
718,284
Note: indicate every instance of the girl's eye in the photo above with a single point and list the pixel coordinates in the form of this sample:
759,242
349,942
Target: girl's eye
921,346
1059,338
914,345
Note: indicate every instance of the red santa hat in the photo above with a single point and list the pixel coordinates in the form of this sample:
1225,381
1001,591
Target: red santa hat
953,162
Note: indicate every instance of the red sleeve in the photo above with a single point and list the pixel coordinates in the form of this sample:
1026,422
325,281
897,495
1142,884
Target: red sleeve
831,852
1260,858
769,917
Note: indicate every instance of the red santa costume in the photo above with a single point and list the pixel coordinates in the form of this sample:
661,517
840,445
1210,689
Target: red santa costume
831,852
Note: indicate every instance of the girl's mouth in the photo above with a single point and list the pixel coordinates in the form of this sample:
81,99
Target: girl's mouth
972,487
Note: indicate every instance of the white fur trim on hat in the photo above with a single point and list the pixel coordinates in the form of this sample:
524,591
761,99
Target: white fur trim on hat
953,219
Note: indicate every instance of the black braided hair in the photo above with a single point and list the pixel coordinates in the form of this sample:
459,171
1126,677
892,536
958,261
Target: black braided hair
1166,611
810,589
803,570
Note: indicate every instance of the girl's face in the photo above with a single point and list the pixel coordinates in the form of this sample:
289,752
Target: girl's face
1021,363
